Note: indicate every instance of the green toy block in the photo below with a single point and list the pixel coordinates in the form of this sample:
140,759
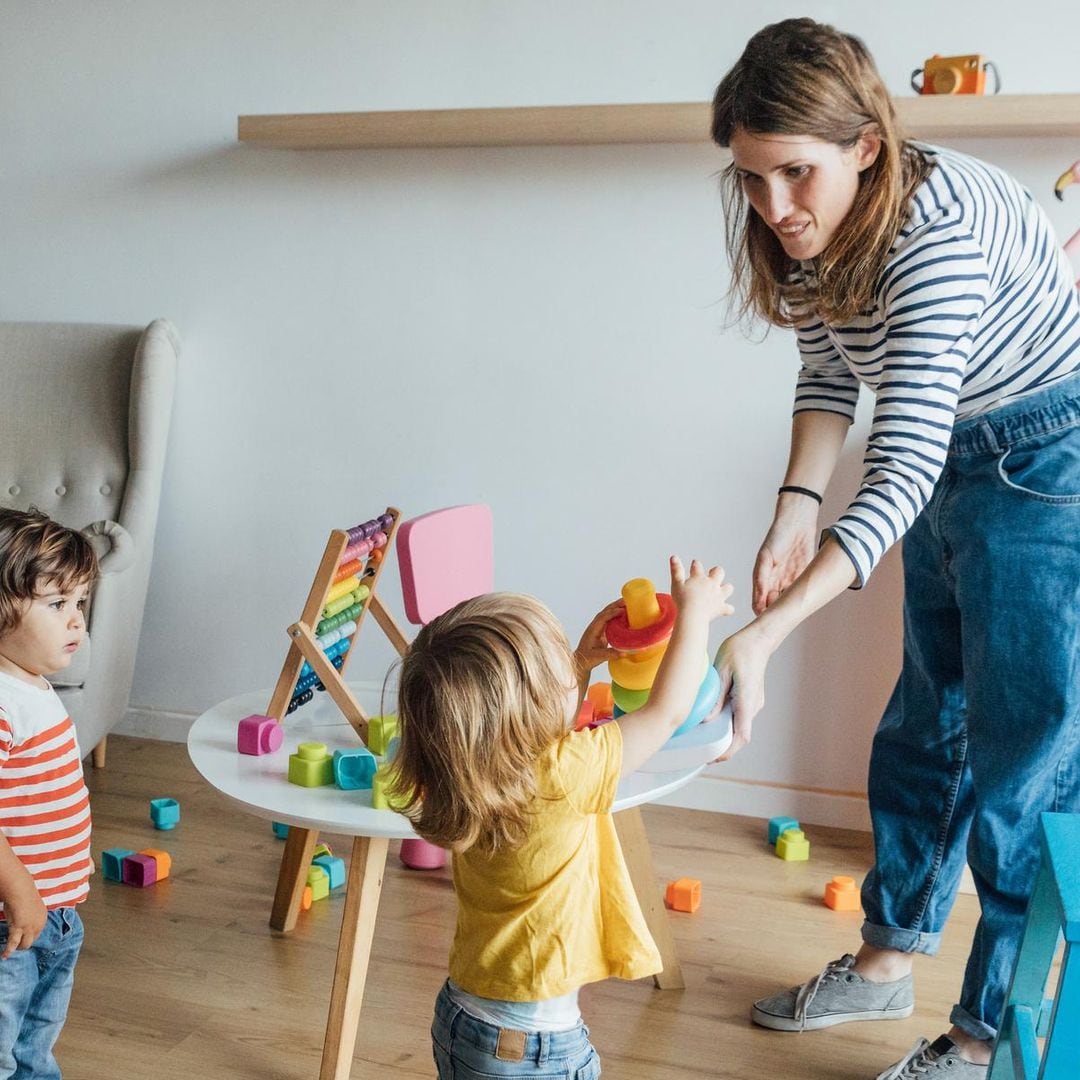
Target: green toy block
379,783
792,846
320,851
311,765
381,729
319,881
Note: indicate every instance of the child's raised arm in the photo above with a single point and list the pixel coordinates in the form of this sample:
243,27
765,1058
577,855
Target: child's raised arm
700,596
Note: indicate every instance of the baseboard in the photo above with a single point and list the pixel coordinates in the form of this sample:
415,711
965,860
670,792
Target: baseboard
760,798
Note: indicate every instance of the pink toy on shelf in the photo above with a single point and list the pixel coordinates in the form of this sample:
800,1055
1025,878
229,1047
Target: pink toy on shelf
258,734
445,557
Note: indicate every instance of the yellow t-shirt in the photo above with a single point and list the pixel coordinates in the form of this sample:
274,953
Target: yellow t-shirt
559,911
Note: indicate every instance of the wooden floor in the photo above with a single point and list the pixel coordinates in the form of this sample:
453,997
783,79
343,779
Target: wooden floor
185,980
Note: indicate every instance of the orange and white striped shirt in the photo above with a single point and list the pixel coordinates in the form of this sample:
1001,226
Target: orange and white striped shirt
44,804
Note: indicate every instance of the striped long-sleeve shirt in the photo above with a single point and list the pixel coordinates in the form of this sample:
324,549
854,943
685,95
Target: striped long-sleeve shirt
975,307
44,805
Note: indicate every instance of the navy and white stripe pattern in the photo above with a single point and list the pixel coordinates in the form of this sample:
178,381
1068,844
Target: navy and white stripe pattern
976,307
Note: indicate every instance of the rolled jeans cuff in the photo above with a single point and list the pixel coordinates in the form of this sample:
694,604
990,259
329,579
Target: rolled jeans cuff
969,1025
907,941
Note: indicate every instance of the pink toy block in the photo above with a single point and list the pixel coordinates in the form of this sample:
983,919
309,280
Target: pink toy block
445,557
259,735
140,870
420,855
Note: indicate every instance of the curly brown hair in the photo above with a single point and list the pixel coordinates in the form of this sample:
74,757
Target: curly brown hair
36,552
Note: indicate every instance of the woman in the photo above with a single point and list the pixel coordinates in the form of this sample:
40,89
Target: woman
934,279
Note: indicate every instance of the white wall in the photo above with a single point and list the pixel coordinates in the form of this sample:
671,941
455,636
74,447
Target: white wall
541,329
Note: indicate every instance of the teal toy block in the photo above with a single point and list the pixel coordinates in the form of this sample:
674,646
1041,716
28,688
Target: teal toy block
354,769
334,867
281,830
164,813
792,846
311,765
319,882
381,729
779,825
112,863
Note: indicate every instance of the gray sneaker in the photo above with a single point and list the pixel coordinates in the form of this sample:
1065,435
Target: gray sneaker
935,1059
835,996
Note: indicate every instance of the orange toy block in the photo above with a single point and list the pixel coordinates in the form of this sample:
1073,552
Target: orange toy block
586,715
683,895
163,860
842,895
602,701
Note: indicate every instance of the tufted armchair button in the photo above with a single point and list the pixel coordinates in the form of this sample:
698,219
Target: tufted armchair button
61,490
13,490
105,489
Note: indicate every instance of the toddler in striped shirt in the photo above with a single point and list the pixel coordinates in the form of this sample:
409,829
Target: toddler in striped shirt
46,571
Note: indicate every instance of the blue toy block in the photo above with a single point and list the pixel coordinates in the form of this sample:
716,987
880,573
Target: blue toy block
281,830
779,825
353,769
164,813
112,863
334,867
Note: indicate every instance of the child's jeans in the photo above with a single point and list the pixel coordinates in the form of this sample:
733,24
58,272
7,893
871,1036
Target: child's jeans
35,987
470,1049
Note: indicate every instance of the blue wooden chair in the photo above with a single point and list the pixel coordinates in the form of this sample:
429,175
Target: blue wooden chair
1054,910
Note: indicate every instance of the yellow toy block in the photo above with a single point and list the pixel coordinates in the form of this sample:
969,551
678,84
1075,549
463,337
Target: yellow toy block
381,729
321,849
842,895
311,765
318,880
792,846
379,783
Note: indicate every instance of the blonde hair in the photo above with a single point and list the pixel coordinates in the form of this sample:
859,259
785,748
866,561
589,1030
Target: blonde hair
801,77
37,552
482,693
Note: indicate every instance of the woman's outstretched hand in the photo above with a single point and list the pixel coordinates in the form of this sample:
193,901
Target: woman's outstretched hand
785,552
741,662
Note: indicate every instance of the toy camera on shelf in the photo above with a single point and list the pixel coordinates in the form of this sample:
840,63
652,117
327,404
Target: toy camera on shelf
955,75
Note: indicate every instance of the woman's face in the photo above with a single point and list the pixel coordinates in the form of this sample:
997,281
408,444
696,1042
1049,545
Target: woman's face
801,187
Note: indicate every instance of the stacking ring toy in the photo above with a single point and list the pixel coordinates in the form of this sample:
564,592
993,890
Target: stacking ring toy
628,700
648,619
707,696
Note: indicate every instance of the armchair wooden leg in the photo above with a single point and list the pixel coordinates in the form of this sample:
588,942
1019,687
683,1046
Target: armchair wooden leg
98,755
635,846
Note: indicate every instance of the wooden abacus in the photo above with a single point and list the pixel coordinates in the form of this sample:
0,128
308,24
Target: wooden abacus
323,638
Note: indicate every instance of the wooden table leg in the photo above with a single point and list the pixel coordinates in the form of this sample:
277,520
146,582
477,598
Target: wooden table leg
363,888
292,877
630,826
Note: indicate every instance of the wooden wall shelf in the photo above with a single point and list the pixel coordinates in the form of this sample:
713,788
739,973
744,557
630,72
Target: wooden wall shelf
931,117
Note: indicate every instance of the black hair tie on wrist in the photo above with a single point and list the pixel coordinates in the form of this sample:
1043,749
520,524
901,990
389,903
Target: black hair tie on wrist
795,490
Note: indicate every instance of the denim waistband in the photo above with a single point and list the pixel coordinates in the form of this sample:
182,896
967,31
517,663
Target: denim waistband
539,1046
1057,406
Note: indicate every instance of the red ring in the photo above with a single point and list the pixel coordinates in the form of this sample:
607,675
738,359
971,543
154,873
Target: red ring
621,635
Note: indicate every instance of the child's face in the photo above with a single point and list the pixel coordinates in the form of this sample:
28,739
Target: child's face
50,630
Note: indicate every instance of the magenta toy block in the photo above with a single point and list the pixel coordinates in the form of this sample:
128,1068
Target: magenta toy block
259,735
421,855
445,557
140,870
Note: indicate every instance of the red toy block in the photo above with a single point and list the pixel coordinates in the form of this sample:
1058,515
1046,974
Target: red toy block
683,894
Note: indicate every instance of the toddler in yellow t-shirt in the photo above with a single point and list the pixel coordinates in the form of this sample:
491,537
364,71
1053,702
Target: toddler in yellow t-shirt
490,767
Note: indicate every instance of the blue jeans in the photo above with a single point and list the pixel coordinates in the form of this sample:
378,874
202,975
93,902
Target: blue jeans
35,987
981,731
469,1049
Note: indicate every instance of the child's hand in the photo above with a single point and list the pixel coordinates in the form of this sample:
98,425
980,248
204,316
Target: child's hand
24,911
593,650
700,590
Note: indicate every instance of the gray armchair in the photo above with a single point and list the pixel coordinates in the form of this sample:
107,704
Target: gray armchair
84,415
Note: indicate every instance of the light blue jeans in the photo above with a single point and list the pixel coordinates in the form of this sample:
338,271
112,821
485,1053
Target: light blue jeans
35,987
465,1048
981,731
